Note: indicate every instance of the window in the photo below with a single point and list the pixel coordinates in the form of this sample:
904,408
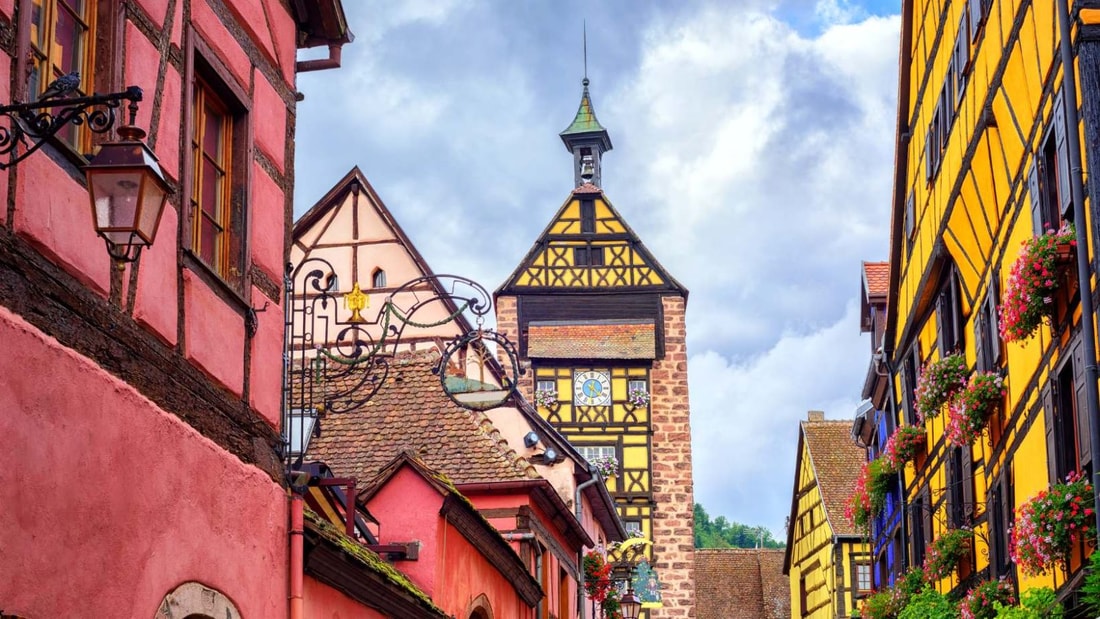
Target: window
920,520
378,279
591,452
633,528
863,578
977,11
637,384
960,487
545,385
1000,502
588,216
910,221
1048,176
803,595
588,256
1067,423
61,42
910,366
218,169
987,333
949,317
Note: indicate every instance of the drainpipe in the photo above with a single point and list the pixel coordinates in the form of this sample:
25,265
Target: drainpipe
297,532
596,478
322,64
1077,190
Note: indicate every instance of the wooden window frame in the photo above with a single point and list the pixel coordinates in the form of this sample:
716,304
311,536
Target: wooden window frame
588,216
1000,502
204,68
1065,414
857,582
910,373
586,256
1048,177
378,278
950,322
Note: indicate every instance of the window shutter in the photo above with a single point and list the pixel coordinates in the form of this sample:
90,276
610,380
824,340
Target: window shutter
1084,444
996,530
928,163
967,479
926,517
952,474
981,342
1036,199
942,323
957,323
1065,196
1047,399
993,321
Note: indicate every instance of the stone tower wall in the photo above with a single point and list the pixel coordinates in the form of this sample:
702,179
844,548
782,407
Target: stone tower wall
673,493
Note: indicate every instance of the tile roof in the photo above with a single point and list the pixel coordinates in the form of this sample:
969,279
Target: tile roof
741,583
587,188
596,340
876,278
836,463
411,413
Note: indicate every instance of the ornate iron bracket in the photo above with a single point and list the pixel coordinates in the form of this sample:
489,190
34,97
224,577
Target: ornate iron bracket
31,124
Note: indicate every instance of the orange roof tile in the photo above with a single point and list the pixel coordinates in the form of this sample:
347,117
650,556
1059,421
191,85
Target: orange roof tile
595,340
836,463
876,278
741,583
587,188
411,413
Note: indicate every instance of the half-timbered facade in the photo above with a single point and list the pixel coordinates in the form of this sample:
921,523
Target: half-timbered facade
827,559
602,324
989,155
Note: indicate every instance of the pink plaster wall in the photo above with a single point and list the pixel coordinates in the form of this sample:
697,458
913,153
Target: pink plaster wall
266,379
214,334
54,214
408,509
109,502
250,14
222,42
142,63
464,574
157,10
156,304
284,33
268,224
270,127
323,602
167,148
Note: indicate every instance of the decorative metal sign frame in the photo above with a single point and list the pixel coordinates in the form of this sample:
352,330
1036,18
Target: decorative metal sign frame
337,355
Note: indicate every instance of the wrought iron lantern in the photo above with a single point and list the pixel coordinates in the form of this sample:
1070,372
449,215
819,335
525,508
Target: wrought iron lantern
128,193
630,605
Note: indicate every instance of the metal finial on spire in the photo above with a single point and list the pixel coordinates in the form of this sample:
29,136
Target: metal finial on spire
584,30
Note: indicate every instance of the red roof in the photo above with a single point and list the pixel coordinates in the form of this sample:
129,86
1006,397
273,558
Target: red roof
741,583
411,413
595,340
587,188
836,463
876,278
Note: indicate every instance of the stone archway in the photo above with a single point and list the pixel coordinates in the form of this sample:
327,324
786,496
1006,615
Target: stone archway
480,608
193,600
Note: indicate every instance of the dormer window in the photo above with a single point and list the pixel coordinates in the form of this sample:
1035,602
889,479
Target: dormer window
378,279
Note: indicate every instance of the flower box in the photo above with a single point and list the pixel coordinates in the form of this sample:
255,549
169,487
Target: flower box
1051,523
970,409
1033,284
939,380
904,445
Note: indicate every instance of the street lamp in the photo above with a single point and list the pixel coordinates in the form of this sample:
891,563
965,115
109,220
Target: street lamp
630,605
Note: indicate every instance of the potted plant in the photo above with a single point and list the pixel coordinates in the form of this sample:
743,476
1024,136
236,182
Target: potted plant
982,600
546,397
1050,523
1033,282
903,445
970,409
940,380
945,552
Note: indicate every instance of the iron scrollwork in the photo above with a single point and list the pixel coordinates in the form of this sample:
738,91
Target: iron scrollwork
338,352
31,124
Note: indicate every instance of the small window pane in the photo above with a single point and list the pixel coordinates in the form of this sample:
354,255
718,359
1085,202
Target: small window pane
544,385
379,279
208,241
299,430
212,132
69,38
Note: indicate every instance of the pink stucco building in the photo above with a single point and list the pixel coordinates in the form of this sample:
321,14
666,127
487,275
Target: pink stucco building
141,402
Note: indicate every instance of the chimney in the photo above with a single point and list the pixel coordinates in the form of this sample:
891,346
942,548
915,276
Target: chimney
815,415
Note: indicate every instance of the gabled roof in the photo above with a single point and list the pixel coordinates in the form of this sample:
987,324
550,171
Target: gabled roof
741,583
876,280
411,412
628,264
835,462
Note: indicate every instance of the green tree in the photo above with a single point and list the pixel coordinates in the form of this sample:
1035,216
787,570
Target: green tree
721,533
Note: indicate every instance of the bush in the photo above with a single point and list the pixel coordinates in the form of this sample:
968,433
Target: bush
929,604
1038,603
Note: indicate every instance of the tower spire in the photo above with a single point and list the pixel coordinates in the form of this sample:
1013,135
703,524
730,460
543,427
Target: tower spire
585,137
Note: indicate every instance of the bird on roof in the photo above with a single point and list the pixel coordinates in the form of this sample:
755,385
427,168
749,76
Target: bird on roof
61,86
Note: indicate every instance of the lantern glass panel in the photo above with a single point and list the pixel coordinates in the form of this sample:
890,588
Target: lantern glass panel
116,198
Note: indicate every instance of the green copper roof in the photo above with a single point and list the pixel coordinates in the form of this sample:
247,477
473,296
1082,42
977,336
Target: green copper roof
585,122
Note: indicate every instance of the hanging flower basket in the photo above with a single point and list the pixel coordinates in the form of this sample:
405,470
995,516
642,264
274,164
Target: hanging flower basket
598,584
546,397
903,445
944,554
1050,523
1035,278
980,602
970,409
869,497
939,381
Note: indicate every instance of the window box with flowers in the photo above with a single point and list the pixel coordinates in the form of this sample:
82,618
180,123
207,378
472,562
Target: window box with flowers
546,397
869,497
608,466
981,601
971,408
945,554
940,380
904,445
637,397
1050,523
1033,283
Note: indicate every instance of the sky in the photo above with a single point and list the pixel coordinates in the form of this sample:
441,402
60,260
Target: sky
753,148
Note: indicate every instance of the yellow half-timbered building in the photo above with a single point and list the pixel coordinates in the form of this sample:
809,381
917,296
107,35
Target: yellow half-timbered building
601,324
991,128
827,559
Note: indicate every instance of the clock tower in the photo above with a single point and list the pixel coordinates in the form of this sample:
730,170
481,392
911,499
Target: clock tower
601,323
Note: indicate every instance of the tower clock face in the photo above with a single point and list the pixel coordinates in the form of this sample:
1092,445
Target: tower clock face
591,388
